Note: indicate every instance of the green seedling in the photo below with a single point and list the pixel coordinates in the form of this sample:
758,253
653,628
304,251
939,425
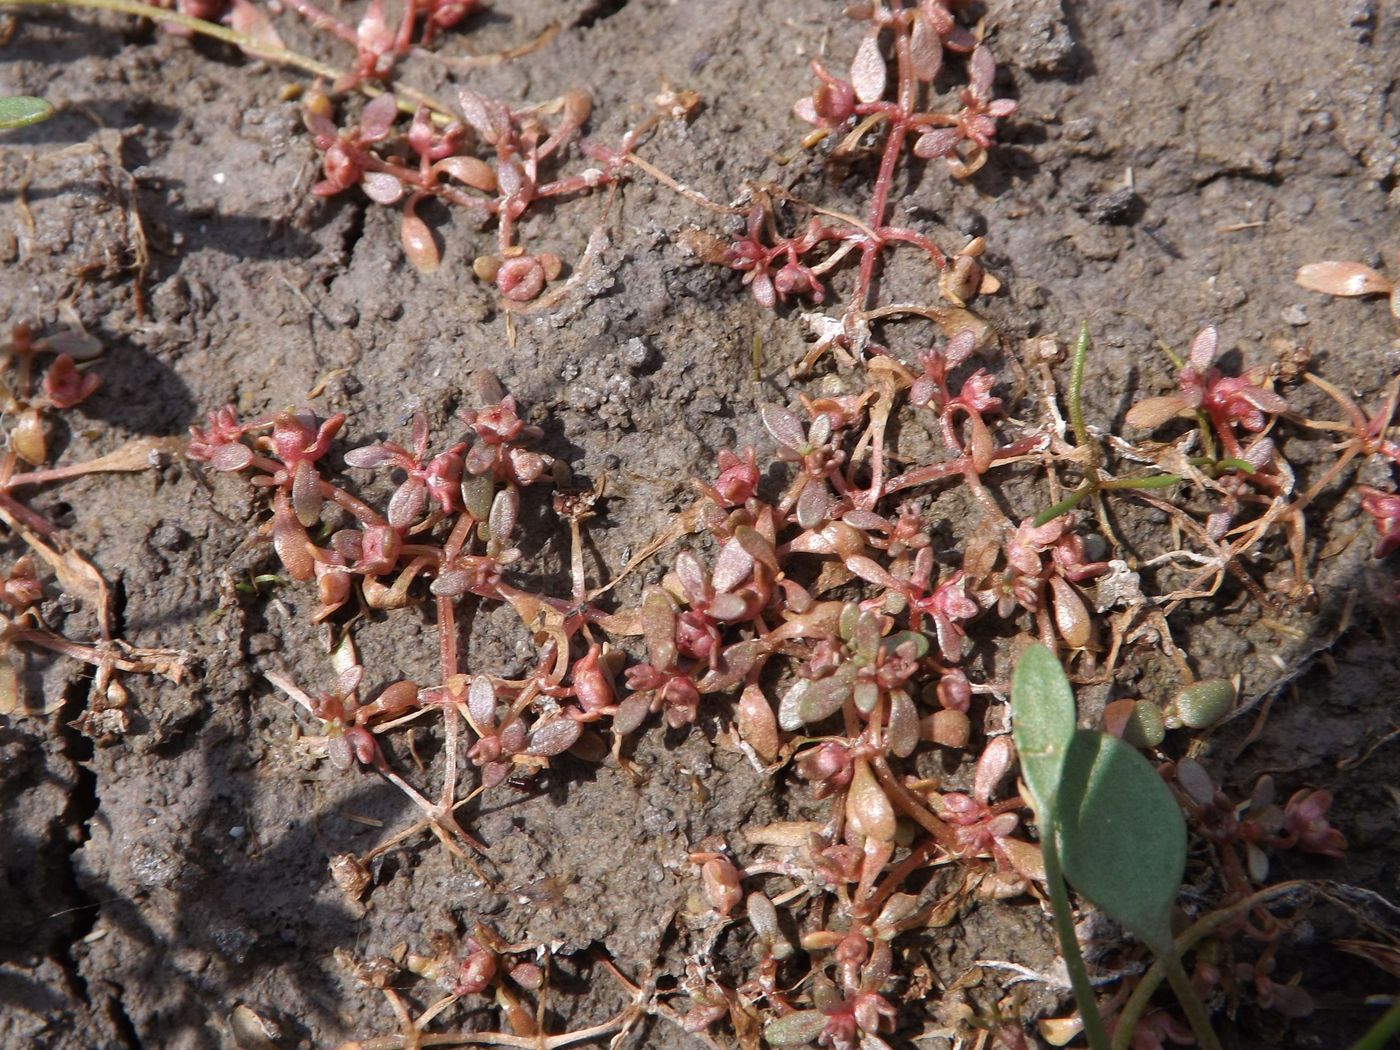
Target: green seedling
1109,825
1094,481
19,111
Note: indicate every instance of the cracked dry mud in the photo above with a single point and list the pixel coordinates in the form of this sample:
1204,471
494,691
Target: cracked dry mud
1171,164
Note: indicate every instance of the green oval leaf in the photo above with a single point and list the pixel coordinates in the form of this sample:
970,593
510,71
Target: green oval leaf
795,1029
1042,713
19,111
1121,834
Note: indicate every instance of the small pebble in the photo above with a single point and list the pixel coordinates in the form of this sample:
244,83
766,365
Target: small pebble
636,355
1117,207
1079,129
1296,315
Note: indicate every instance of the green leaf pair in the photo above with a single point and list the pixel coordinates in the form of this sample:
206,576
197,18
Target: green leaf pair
1108,823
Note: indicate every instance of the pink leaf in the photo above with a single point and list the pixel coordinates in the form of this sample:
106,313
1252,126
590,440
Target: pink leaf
554,737
418,243
407,503
505,511
231,457
369,456
381,187
937,143
1204,347
658,621
763,291
473,171
692,576
785,427
290,541
925,48
870,571
903,729
757,725
868,68
249,20
732,567
378,117
982,69
481,703
728,608
868,808
306,494
992,767
1335,277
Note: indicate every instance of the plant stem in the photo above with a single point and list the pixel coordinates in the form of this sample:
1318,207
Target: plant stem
195,25
1156,481
408,99
1203,927
1186,995
1069,944
1076,388
1065,505
1379,1035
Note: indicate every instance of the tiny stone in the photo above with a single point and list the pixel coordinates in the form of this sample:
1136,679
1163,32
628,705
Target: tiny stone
262,643
1229,292
612,461
1095,547
1296,315
237,832
1028,294
1297,205
969,221
1117,207
707,400
1079,129
1094,242
636,355
342,314
168,537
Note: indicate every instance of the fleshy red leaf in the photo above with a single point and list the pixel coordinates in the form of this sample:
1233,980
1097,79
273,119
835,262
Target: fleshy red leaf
554,737
1340,277
418,243
785,427
473,171
868,68
1204,347
381,187
369,456
925,48
732,567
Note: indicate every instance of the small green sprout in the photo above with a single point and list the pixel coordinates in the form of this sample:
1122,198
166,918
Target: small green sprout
1108,824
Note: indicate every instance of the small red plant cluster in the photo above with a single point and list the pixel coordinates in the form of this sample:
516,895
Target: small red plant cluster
817,617
745,628
490,158
880,107
29,403
427,158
